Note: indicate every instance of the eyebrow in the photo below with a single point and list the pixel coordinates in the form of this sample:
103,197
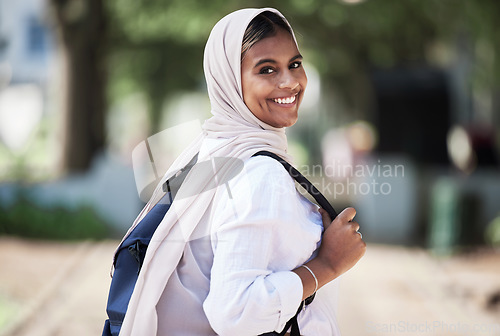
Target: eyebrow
270,60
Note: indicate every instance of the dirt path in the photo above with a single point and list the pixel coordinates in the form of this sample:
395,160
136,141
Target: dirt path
400,291
56,288
60,289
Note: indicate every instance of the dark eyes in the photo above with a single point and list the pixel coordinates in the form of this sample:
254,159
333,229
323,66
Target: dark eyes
269,70
266,71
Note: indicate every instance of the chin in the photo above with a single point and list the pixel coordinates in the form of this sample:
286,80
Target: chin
289,123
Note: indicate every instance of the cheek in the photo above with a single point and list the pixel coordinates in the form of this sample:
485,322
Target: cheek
262,92
303,79
246,86
257,91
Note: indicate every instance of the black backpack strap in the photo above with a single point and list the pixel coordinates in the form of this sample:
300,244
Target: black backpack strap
322,202
292,323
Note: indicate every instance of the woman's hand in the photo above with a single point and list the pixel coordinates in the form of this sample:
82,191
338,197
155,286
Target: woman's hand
340,249
342,246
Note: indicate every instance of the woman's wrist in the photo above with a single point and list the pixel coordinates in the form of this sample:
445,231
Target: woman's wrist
314,276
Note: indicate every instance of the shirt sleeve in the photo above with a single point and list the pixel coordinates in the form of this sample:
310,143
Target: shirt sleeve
261,235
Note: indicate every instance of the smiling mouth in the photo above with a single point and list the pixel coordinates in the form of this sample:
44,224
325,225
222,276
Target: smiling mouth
287,100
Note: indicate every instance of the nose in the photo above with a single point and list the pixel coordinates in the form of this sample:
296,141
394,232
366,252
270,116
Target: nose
288,81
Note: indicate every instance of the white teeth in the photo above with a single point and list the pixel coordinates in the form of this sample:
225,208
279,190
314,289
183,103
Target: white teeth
288,100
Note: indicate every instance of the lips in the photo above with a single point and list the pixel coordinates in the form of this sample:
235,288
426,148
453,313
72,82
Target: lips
285,100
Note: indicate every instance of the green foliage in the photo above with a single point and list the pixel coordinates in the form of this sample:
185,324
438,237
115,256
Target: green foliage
156,47
492,233
26,219
188,21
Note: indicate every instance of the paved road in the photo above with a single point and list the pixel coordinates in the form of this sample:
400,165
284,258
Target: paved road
52,289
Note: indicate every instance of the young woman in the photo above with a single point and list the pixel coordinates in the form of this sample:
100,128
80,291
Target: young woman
238,259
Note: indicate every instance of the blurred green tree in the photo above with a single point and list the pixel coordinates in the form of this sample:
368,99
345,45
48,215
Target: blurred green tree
82,29
157,47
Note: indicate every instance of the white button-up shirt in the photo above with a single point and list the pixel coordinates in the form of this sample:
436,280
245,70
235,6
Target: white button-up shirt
239,279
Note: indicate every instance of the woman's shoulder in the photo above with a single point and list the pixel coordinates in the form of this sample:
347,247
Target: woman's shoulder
264,168
262,177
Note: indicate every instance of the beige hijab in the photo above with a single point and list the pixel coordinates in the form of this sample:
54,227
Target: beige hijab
244,135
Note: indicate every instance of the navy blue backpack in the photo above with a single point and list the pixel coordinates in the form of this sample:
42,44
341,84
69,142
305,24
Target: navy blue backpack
131,252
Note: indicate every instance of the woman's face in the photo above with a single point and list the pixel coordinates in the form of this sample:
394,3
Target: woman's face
273,79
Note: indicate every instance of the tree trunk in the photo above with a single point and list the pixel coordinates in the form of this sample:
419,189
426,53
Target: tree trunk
82,27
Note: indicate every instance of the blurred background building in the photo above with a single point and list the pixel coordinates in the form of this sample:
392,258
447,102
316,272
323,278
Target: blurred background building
26,56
